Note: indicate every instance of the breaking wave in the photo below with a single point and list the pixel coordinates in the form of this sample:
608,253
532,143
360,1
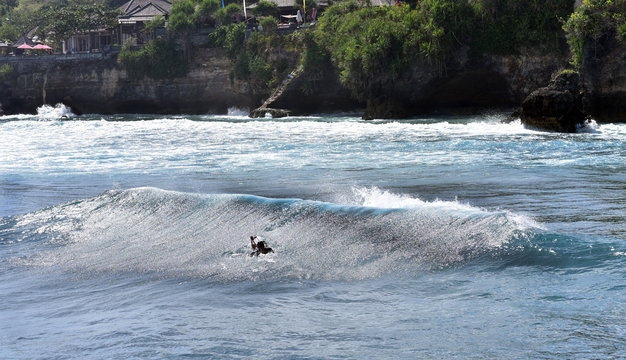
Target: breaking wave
148,230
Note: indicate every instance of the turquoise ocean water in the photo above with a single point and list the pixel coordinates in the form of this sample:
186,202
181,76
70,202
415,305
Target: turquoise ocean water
436,237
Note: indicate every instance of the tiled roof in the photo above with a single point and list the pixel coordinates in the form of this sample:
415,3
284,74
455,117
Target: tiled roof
23,40
134,6
143,10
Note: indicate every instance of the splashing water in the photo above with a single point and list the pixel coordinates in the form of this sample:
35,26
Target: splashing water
237,112
59,111
151,230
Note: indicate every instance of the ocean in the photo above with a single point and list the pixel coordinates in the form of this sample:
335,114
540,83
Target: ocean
127,237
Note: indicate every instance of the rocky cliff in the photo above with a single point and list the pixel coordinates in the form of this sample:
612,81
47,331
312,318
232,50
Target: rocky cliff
462,85
597,92
604,78
99,85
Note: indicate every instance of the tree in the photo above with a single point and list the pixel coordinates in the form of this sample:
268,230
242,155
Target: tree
205,13
269,24
265,8
226,16
592,20
151,26
61,20
182,24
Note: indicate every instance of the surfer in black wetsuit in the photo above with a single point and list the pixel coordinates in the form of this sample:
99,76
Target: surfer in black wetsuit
259,248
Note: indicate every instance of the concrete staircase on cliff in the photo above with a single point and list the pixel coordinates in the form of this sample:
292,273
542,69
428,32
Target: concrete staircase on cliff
267,108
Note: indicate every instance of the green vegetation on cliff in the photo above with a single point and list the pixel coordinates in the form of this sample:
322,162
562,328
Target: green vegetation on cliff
367,43
505,26
159,59
593,20
371,47
263,59
55,20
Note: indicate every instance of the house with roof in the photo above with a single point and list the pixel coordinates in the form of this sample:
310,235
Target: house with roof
5,47
28,38
134,15
91,41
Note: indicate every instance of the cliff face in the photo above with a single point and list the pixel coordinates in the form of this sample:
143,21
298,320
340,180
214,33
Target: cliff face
604,77
99,85
462,85
598,92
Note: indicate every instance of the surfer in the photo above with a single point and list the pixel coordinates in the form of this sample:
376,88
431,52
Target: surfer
259,248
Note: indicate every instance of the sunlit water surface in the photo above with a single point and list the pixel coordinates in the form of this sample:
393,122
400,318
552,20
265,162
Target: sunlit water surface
458,237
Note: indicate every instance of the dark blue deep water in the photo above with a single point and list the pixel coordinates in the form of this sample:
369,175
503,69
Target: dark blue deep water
430,238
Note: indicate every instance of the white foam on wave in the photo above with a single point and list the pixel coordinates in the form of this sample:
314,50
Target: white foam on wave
589,126
207,236
375,197
59,111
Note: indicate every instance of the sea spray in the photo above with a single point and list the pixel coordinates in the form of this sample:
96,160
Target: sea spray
178,234
59,111
238,112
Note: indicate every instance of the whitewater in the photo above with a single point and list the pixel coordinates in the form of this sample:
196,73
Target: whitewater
126,236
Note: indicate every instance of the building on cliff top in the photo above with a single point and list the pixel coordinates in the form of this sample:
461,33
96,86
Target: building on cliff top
4,48
28,38
135,13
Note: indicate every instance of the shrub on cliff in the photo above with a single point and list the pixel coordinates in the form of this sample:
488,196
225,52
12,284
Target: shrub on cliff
205,13
266,8
367,42
181,23
159,59
503,26
227,15
593,20
269,25
7,75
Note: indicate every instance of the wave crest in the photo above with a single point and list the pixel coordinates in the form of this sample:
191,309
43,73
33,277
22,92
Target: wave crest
179,234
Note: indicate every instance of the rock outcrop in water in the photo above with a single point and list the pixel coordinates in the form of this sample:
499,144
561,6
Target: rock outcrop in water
599,92
558,106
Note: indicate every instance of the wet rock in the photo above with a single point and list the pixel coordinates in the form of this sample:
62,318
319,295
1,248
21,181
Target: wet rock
274,113
556,107
385,108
